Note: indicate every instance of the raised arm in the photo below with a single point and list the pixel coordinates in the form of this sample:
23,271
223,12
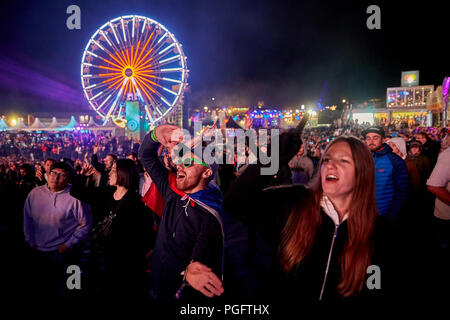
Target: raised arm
79,189
148,154
245,197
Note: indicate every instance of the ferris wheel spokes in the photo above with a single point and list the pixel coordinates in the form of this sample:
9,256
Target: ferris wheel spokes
121,59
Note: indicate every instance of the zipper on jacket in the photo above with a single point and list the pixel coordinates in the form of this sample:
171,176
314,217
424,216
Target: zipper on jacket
329,260
180,215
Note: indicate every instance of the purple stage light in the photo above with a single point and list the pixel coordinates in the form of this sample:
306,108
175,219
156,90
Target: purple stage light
16,76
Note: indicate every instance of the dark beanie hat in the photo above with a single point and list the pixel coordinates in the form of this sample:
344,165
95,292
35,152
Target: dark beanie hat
376,130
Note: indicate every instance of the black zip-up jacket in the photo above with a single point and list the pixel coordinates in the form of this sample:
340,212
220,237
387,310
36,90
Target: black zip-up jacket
266,209
189,231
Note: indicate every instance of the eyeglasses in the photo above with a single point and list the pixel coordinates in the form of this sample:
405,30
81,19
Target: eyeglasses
188,162
55,174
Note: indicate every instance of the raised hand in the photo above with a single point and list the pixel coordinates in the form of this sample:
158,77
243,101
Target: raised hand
169,136
248,122
202,279
87,169
39,174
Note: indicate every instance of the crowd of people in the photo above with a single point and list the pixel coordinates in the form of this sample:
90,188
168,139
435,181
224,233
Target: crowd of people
32,146
142,224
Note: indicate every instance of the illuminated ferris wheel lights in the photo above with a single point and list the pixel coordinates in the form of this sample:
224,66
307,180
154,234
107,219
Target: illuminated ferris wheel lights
114,32
171,69
112,79
169,59
113,106
110,62
146,85
90,87
138,70
137,89
121,58
172,80
123,29
108,68
127,57
145,92
146,80
167,48
168,90
159,111
148,114
133,65
165,34
143,27
106,38
166,102
116,84
98,94
92,54
98,44
132,57
145,56
108,74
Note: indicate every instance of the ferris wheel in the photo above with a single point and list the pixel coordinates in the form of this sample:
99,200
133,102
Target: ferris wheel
133,58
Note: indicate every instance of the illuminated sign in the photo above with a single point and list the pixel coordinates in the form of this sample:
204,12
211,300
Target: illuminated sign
132,115
363,117
410,78
445,86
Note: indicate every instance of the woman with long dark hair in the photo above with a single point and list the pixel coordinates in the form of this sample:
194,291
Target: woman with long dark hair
123,235
322,239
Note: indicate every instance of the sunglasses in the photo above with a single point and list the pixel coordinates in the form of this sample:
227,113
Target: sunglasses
188,162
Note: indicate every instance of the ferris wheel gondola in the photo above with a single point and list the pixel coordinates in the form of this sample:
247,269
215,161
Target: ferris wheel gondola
133,56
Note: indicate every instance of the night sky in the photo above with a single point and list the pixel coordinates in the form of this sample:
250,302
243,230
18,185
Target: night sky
285,53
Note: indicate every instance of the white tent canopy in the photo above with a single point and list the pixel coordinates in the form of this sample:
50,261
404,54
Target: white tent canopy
20,124
54,124
3,125
108,123
71,125
37,124
92,123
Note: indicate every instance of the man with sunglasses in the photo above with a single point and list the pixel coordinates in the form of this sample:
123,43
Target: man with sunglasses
54,222
190,235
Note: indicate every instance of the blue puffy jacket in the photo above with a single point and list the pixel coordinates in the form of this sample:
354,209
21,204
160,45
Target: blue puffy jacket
391,182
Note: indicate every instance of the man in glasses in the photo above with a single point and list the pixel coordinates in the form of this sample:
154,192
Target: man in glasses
190,235
54,222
